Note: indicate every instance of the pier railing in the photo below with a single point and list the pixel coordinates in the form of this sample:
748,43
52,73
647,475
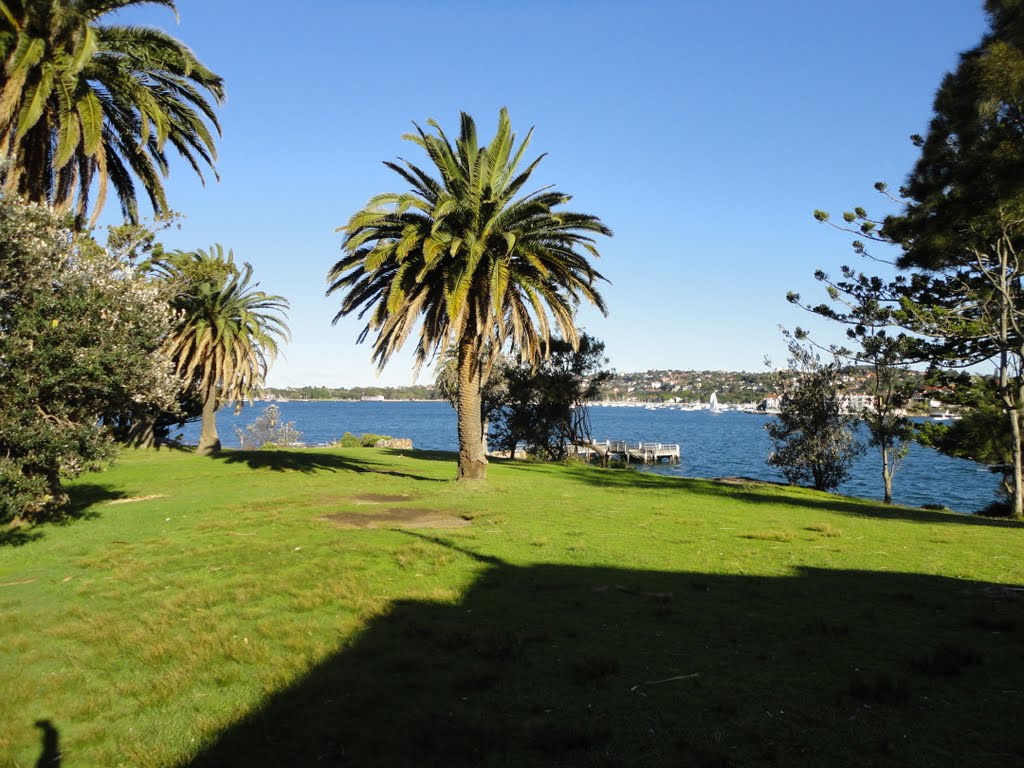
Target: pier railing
645,453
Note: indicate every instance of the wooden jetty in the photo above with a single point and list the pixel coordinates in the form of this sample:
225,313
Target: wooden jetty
644,453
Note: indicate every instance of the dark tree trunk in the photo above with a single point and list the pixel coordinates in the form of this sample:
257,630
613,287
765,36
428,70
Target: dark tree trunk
58,497
141,434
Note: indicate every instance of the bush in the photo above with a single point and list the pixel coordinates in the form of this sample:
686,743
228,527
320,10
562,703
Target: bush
79,334
997,509
268,431
348,440
367,440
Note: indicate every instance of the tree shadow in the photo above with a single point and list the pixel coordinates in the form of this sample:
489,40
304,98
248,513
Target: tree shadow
83,498
744,489
555,665
310,462
19,536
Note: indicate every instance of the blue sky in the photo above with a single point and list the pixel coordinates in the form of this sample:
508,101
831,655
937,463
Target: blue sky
703,133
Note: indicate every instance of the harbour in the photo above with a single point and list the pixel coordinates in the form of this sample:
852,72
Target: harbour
732,443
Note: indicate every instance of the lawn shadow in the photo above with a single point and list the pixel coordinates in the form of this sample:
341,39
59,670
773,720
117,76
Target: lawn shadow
449,457
310,462
19,536
50,757
555,665
762,492
83,498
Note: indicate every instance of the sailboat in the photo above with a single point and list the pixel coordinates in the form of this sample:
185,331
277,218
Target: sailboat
713,403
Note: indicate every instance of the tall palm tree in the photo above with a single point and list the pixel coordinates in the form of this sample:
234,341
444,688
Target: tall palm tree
227,334
84,105
473,263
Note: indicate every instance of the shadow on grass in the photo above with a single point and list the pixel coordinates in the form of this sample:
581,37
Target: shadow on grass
554,665
19,536
50,757
758,492
83,498
310,462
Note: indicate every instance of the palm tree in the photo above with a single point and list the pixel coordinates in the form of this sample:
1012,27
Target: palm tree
85,105
475,265
227,334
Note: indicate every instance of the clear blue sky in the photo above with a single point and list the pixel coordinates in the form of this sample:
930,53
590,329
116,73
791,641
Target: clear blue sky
703,133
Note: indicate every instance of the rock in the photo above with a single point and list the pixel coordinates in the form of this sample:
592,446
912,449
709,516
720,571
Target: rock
398,443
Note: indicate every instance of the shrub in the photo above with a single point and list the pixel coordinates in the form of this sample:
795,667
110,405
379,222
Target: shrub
79,334
366,440
997,509
348,440
268,431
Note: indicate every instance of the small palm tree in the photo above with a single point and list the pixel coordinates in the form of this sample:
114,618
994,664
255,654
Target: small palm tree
475,264
227,333
84,105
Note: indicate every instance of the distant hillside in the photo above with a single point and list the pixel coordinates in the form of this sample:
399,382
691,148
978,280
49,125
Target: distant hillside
653,385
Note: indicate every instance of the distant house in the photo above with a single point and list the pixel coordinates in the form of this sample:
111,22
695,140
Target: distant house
858,403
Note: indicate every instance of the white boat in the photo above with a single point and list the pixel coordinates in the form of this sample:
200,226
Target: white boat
713,403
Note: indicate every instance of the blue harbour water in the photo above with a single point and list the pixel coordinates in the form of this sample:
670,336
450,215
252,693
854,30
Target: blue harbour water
713,445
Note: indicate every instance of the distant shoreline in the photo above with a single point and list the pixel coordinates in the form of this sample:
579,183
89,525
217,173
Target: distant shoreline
346,400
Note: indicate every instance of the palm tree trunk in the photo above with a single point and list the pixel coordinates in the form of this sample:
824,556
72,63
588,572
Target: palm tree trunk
472,457
209,442
33,183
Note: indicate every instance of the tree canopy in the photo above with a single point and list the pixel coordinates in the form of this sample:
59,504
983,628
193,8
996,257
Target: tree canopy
227,331
811,438
544,407
960,223
86,105
80,340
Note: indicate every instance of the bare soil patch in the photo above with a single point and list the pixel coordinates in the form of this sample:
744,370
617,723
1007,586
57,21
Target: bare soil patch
133,499
379,498
396,518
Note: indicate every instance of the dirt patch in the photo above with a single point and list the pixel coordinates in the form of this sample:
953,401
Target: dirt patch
397,518
378,498
133,499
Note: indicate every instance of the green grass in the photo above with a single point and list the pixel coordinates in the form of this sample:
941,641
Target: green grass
203,612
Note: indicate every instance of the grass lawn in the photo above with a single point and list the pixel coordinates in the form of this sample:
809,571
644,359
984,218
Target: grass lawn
238,611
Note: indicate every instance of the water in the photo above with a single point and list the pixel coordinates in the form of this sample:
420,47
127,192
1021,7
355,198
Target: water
727,444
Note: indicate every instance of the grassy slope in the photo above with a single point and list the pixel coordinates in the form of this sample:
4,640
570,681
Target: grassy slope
225,623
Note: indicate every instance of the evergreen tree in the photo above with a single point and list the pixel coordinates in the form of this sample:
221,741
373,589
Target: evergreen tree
870,310
80,343
545,407
963,218
811,437
960,227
